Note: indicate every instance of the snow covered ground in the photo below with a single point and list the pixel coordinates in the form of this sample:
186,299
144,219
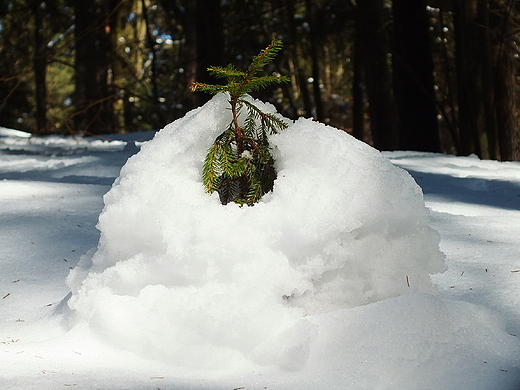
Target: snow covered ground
466,337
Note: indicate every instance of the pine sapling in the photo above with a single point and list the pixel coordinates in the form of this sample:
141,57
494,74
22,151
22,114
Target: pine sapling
239,164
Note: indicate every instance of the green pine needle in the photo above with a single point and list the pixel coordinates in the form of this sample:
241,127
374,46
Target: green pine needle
228,72
239,164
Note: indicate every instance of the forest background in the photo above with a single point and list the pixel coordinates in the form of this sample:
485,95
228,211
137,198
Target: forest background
426,75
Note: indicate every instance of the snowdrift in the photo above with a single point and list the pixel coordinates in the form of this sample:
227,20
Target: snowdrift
180,278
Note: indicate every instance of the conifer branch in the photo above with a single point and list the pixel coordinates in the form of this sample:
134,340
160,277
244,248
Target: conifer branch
239,164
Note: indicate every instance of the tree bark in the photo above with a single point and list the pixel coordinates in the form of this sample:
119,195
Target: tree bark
413,77
40,66
297,54
358,105
370,27
502,27
202,24
210,39
157,120
93,47
318,103
474,84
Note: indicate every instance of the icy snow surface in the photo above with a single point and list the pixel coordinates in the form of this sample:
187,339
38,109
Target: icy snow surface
322,285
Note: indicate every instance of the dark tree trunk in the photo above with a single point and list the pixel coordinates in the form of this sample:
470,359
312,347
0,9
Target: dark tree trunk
501,25
93,47
370,25
413,77
40,66
318,103
297,54
210,38
203,46
358,106
474,83
191,99
157,121
449,108
489,134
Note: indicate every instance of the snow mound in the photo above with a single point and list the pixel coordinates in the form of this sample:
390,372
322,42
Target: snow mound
180,278
415,341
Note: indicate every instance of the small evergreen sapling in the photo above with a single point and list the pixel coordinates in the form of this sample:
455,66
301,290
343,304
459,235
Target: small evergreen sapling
239,164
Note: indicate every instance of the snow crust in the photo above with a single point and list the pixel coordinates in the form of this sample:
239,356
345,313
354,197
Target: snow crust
180,278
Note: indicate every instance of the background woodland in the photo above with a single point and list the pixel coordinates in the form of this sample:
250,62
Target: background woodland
425,75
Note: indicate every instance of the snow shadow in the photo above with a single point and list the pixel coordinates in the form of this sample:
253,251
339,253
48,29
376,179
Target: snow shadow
99,168
498,193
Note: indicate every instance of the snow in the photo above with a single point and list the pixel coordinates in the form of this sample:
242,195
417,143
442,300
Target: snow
323,284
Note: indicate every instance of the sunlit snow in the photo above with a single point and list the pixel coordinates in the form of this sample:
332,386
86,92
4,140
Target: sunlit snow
335,280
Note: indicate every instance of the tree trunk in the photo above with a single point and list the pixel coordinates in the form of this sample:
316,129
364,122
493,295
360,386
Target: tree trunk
358,105
446,83
505,72
488,139
157,120
318,103
413,77
474,84
93,46
370,25
40,66
297,54
191,99
203,46
210,38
